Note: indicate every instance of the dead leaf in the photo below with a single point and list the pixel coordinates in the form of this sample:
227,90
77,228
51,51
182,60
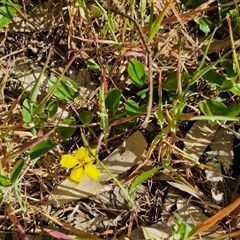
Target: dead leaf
199,137
157,231
221,155
223,146
192,191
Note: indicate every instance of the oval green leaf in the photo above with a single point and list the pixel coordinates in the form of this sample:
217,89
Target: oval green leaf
16,170
67,132
52,108
232,111
66,91
228,84
86,117
41,148
7,13
171,82
132,108
112,100
212,107
5,181
236,89
27,111
137,73
204,24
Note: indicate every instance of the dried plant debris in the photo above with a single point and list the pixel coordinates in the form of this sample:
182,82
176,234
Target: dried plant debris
95,45
199,137
222,148
219,141
220,156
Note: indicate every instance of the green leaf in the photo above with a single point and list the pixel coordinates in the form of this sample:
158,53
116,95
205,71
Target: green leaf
229,68
52,108
204,24
235,18
5,181
202,71
7,12
92,65
177,108
190,4
27,111
216,107
228,84
204,108
214,77
143,93
1,196
211,107
151,19
86,117
171,82
236,89
16,170
95,11
103,114
232,111
137,73
215,118
181,230
160,117
67,89
121,126
41,148
67,132
112,100
155,25
140,179
132,108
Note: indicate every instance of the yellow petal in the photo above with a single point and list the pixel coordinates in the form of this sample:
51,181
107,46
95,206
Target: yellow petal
89,158
77,174
69,161
81,153
92,171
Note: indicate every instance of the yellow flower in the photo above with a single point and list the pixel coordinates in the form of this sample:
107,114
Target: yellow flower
81,163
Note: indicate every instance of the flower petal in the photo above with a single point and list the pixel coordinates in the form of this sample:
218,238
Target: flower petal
92,171
69,161
89,158
81,153
77,174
